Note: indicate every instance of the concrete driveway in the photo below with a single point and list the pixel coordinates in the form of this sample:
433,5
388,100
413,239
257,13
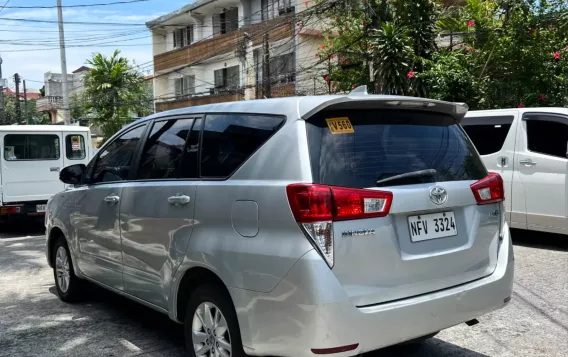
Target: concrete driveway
33,322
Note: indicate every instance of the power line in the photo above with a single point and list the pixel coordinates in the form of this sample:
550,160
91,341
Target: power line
71,6
3,7
71,22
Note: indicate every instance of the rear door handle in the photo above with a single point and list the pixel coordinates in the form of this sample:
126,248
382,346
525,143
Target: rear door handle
178,200
112,199
527,162
54,169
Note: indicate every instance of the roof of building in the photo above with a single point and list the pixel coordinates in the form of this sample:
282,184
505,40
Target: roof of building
192,6
30,93
81,69
46,128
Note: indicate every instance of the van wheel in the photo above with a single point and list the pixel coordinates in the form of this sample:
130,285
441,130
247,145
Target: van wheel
211,326
69,287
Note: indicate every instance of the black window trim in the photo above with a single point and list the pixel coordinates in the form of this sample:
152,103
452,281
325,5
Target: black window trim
84,142
552,117
35,134
109,142
205,178
478,121
140,149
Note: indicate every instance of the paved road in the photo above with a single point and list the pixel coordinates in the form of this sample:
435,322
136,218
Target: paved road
33,322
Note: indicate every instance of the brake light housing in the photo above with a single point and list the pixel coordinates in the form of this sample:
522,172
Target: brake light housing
316,207
489,189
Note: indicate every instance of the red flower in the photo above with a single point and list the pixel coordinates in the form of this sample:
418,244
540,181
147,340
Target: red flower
470,23
341,59
364,23
556,55
410,75
550,26
521,105
323,47
469,49
542,97
299,23
326,78
354,86
347,62
331,57
307,3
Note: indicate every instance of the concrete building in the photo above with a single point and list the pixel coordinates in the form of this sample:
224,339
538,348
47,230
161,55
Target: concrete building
52,102
213,51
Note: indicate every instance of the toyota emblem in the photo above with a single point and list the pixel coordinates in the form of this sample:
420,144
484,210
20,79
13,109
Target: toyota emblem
438,195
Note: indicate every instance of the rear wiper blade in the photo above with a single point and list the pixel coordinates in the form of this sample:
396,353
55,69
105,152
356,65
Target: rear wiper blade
408,175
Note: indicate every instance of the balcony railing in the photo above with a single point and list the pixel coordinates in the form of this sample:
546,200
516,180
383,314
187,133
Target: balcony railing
49,103
199,100
278,29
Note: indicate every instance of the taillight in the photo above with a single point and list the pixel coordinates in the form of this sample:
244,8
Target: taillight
489,189
315,207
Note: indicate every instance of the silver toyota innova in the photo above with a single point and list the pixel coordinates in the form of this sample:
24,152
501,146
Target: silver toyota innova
328,225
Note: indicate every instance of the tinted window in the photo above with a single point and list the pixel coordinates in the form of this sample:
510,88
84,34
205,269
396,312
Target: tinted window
113,164
386,143
190,164
488,134
31,147
163,150
547,137
229,140
75,147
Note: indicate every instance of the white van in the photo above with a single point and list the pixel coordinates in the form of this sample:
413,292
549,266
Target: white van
529,148
32,156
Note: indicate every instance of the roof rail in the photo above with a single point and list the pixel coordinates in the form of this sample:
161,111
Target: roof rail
361,90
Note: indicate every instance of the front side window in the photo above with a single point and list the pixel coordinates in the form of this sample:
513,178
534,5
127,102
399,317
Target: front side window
113,164
488,134
164,148
230,139
546,136
75,147
31,147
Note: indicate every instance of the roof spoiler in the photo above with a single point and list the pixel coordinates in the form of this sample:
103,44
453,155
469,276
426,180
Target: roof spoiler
363,99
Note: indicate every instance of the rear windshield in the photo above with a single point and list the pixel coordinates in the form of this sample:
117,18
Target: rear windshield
357,148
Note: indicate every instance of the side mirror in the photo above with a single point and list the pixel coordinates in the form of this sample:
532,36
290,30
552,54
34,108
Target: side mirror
73,175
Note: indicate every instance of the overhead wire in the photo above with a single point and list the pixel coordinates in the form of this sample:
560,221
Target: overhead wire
74,6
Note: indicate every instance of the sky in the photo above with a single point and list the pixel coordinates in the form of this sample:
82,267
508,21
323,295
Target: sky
31,49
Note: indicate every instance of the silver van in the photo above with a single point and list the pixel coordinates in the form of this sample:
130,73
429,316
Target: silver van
328,225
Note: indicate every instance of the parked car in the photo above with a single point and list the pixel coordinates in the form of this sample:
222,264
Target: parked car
32,158
528,147
290,227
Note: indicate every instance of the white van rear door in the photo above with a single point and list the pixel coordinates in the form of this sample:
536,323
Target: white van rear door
31,162
75,148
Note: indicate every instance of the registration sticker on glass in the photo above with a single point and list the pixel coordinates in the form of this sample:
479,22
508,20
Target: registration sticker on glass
432,226
339,125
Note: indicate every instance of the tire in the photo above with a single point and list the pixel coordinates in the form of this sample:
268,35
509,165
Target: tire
215,300
69,287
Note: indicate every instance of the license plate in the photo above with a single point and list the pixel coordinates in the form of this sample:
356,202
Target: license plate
432,226
41,208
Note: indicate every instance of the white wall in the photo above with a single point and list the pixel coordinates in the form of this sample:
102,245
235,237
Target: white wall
159,42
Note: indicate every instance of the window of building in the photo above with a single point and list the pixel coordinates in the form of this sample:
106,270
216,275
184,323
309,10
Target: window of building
230,139
75,147
31,147
227,78
283,68
226,21
184,36
184,86
547,137
488,134
113,164
275,8
163,150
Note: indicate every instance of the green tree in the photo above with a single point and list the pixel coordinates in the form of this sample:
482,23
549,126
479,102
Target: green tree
114,92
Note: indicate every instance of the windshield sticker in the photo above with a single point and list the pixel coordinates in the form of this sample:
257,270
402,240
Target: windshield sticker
339,125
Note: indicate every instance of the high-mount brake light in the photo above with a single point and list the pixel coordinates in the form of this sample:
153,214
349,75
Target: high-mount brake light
489,189
316,207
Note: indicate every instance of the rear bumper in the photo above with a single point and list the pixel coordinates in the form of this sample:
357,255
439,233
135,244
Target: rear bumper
22,209
308,310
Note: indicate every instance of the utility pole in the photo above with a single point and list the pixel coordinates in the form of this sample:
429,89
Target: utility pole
25,102
2,115
266,70
66,114
18,108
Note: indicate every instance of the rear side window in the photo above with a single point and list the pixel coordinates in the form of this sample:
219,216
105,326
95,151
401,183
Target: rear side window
31,147
163,150
488,134
547,135
376,145
75,147
230,139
